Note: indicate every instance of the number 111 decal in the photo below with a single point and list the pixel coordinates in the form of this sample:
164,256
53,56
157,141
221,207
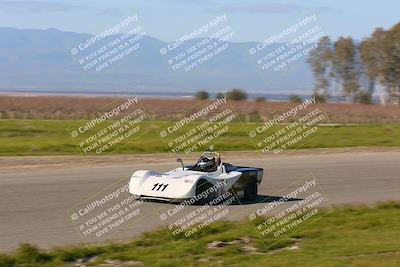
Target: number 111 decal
158,186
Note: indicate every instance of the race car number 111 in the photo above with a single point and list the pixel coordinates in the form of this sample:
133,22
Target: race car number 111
158,186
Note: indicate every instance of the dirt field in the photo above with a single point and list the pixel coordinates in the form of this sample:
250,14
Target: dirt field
74,107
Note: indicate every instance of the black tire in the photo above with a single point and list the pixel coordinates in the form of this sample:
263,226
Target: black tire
201,187
251,190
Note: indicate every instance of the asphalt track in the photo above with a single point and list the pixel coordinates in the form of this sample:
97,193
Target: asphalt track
34,204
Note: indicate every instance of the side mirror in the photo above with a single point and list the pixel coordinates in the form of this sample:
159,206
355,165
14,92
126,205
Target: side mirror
181,161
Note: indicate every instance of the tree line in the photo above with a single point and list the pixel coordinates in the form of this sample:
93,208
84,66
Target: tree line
234,94
358,70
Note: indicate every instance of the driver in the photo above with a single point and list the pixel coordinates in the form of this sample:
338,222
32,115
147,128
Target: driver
207,164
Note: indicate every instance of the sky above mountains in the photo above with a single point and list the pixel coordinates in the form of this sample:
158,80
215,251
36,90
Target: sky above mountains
252,20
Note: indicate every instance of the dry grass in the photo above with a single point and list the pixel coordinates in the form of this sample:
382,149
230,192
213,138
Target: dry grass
76,107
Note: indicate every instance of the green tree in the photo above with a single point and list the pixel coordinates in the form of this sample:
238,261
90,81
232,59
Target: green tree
390,71
320,60
295,98
376,60
371,52
321,98
202,95
345,67
364,97
236,95
219,95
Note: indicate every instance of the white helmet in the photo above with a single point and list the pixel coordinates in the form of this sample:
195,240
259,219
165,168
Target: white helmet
206,163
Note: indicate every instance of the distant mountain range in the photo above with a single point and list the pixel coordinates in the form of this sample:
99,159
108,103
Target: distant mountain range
42,60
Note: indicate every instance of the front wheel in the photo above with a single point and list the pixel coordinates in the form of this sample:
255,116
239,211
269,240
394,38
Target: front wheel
251,190
203,193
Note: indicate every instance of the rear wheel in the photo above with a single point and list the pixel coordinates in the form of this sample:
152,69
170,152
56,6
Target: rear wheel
251,190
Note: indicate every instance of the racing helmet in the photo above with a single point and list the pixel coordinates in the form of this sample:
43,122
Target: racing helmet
206,162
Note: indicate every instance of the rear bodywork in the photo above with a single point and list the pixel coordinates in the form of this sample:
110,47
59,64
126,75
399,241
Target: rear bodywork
247,174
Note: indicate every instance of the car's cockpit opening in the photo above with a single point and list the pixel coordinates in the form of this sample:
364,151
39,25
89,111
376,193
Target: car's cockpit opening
208,162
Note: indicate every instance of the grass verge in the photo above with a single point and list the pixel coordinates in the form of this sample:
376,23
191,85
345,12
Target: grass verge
50,137
347,236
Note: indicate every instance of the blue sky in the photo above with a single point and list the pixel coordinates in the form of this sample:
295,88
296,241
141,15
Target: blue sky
252,20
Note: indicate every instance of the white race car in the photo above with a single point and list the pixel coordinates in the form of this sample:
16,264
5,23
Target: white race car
205,180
